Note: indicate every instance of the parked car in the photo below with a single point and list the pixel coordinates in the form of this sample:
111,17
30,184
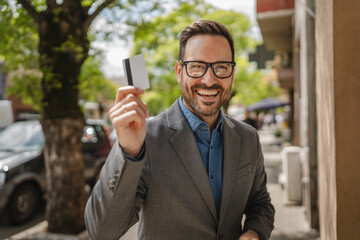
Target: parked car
22,171
6,114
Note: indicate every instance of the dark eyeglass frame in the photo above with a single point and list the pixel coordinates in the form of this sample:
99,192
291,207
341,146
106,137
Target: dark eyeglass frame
185,63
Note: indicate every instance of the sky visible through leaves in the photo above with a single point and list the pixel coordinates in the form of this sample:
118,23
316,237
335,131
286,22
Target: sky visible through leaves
116,50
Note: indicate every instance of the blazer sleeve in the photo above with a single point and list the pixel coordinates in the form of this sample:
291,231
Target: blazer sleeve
259,211
116,199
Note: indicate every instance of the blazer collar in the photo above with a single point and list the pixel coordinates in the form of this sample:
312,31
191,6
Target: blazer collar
175,118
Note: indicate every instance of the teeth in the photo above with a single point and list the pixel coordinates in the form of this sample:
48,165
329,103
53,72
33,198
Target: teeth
207,92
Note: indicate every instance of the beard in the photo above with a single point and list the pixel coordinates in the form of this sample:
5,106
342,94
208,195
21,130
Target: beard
191,100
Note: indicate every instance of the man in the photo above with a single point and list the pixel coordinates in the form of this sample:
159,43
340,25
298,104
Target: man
191,172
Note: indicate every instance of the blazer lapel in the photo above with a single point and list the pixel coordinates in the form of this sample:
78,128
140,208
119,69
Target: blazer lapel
186,147
232,153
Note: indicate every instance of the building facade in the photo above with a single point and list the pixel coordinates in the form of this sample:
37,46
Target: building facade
287,27
316,56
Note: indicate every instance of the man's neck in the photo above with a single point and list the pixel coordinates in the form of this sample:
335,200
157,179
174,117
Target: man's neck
210,120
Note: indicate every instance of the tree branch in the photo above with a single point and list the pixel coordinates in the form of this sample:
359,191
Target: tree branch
97,11
30,9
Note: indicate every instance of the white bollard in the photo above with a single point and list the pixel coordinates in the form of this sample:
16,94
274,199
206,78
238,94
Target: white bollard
292,173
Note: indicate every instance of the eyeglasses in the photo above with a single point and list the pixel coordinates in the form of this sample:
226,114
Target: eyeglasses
197,69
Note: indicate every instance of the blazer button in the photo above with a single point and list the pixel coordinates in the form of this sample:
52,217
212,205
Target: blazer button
112,182
111,188
117,172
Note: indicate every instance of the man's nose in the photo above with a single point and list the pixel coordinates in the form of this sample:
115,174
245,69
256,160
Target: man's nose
209,77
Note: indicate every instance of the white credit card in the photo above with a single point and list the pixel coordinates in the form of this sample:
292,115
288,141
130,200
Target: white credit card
135,71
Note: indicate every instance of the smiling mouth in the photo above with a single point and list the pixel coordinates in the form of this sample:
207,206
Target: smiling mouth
207,93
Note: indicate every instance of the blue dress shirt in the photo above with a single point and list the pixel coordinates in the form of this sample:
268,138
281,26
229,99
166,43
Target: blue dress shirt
211,148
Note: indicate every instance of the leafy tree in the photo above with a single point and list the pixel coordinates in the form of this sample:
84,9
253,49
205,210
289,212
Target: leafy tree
60,29
19,41
18,48
158,40
93,85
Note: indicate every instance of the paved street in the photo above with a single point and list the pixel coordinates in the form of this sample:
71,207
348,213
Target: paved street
7,230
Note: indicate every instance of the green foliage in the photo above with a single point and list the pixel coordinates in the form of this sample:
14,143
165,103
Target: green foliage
93,84
71,46
86,3
25,83
19,40
19,50
249,85
158,41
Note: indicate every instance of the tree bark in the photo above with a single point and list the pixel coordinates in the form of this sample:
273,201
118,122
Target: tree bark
63,47
66,196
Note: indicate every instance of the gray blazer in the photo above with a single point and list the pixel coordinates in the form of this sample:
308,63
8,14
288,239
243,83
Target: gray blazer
169,193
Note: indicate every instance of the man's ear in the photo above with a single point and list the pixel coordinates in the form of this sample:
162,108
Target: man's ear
178,68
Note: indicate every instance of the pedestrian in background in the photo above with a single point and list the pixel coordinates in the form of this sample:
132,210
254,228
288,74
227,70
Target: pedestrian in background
250,119
190,173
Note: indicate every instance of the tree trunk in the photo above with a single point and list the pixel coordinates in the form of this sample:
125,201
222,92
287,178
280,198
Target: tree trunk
64,175
63,47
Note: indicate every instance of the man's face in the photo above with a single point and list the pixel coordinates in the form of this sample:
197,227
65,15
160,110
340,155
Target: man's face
204,96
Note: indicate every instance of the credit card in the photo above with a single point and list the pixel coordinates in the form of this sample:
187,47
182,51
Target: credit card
135,72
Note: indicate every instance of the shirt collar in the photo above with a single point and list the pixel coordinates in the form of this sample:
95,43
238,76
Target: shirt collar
194,121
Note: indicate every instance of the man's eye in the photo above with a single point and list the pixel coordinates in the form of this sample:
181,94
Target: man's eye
196,67
222,66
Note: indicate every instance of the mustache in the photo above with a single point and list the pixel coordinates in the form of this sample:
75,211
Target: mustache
203,86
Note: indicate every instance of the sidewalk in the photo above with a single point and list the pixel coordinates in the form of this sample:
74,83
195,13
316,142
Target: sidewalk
290,221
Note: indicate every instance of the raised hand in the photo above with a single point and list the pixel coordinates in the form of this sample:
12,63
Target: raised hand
249,235
128,116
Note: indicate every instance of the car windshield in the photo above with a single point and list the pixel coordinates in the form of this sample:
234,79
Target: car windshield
22,136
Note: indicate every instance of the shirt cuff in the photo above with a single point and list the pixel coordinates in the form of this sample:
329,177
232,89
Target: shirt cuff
138,157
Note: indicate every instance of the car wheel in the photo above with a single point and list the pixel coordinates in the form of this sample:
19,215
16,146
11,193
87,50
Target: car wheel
23,203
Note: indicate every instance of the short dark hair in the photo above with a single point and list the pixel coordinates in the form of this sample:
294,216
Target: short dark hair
204,27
